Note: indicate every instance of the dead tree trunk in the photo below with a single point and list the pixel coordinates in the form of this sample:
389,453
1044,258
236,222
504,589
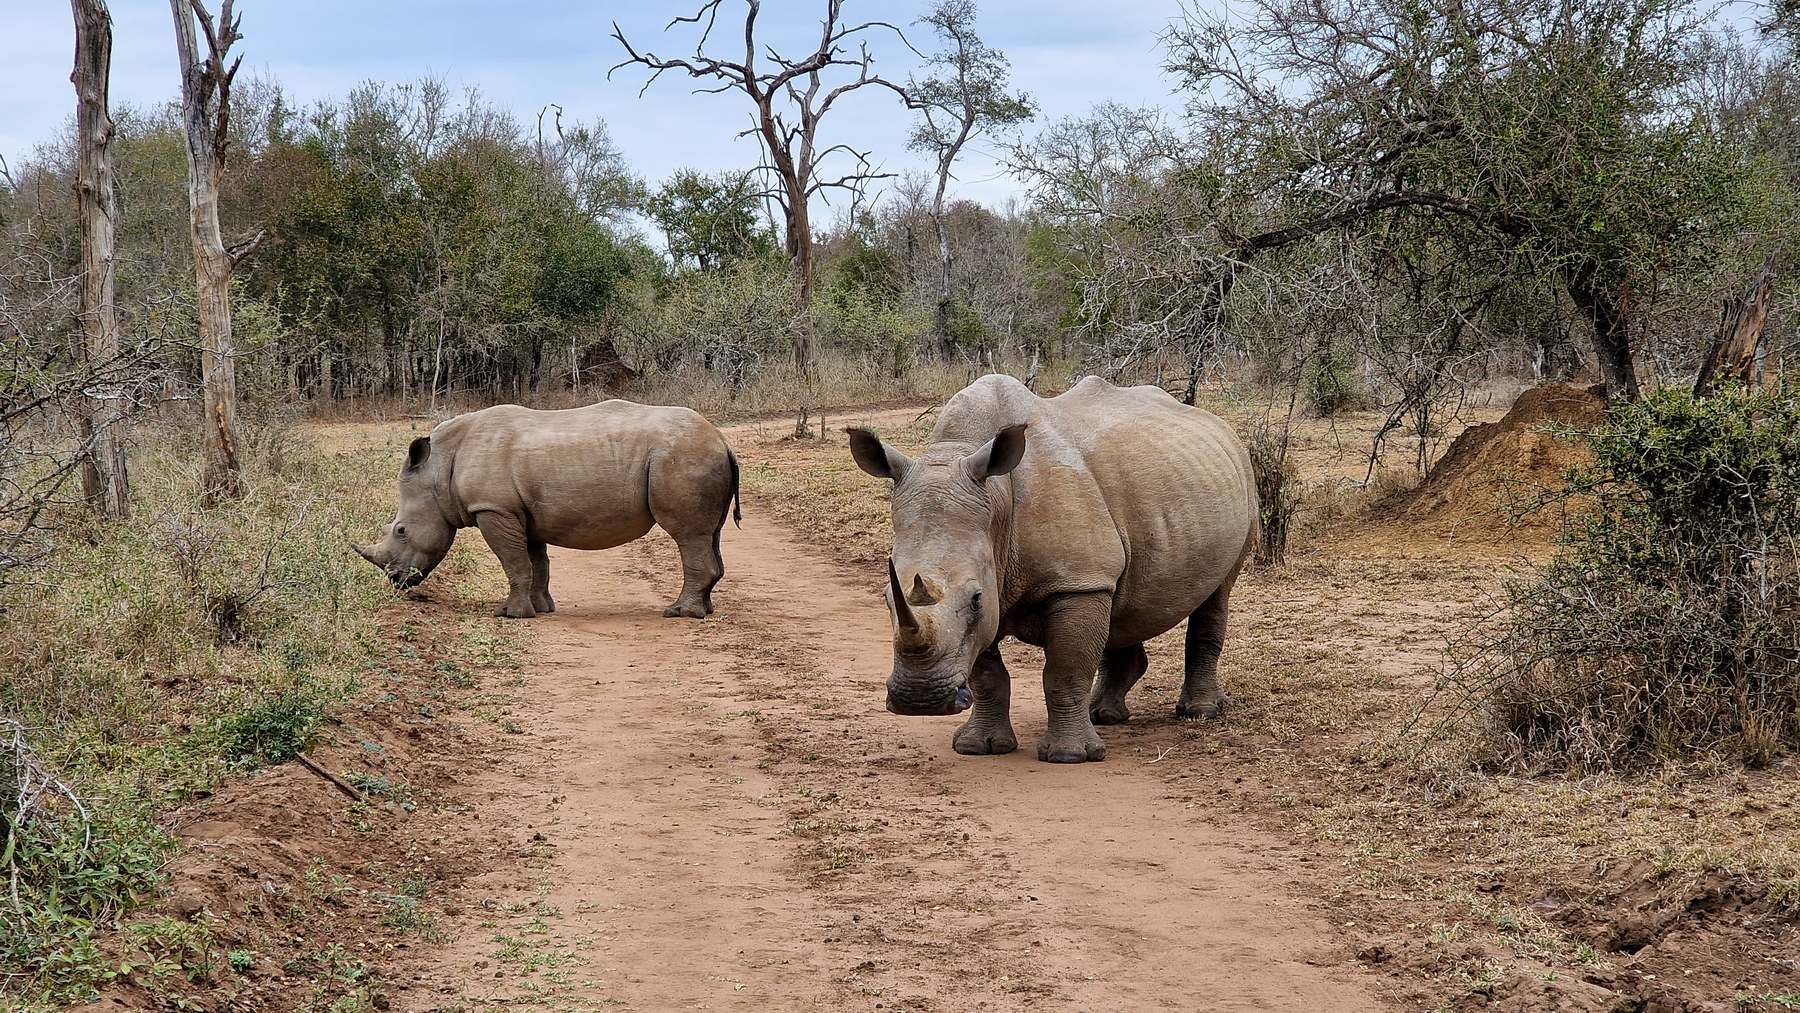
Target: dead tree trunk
206,116
800,252
1740,348
103,478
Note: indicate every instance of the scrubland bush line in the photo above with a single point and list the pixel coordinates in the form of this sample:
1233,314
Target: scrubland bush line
161,654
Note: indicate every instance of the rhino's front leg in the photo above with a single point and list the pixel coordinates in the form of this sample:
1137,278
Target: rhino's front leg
1075,628
505,534
540,576
989,728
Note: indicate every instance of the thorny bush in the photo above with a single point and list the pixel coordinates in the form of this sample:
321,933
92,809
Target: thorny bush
1668,622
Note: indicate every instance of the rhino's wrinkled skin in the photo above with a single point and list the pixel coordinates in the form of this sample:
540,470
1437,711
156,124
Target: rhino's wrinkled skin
580,478
1086,523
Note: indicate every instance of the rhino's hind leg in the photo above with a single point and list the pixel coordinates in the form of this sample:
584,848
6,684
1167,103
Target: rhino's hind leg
700,570
989,729
540,576
1201,695
505,535
1120,669
1074,638
718,571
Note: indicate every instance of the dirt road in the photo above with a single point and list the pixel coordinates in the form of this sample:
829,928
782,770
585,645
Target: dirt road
720,815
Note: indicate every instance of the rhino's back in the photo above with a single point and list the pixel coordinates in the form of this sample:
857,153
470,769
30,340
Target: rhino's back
611,421
1131,480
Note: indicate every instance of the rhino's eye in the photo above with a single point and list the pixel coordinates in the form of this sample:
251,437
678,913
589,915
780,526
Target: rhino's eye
975,600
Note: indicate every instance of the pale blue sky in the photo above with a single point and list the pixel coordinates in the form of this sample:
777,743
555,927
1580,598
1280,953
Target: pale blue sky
1069,54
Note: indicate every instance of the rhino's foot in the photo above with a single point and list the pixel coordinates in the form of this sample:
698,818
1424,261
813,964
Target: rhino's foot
685,610
543,603
517,610
1200,710
1109,712
984,738
1071,749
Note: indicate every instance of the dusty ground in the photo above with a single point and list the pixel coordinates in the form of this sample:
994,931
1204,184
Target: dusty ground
660,814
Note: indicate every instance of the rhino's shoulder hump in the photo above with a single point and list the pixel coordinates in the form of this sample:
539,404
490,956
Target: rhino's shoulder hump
985,406
993,394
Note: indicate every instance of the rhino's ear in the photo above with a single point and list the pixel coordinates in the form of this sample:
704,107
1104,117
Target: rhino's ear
418,452
997,456
876,457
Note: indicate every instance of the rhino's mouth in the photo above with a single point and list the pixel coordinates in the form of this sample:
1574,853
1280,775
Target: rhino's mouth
954,702
407,578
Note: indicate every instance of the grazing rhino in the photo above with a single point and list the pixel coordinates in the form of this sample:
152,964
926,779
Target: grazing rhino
581,478
1086,524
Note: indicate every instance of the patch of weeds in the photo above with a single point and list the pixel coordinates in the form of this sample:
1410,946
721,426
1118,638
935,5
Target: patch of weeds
531,953
378,786
271,730
405,908
1780,1000
455,674
174,945
72,878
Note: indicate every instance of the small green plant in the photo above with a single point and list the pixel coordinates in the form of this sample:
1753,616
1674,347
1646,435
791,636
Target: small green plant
240,960
1780,1000
378,786
272,730
184,946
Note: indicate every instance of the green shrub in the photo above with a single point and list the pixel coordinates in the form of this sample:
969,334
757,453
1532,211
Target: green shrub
74,877
272,730
1332,386
1668,623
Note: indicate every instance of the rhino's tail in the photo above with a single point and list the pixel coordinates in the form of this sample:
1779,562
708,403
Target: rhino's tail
737,500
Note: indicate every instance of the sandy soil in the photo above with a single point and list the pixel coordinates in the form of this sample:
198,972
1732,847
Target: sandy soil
719,815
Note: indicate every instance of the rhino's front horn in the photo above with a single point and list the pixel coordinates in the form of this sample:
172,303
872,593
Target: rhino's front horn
903,613
364,553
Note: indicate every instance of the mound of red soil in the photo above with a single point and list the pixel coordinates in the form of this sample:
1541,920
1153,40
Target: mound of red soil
1494,469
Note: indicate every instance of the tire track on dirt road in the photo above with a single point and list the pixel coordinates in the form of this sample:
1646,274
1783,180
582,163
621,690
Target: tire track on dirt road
720,815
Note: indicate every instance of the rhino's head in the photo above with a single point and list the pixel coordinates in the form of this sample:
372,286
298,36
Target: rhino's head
943,585
420,535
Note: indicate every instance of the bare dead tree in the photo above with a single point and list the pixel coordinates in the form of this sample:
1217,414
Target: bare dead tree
1739,349
791,98
206,113
103,477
